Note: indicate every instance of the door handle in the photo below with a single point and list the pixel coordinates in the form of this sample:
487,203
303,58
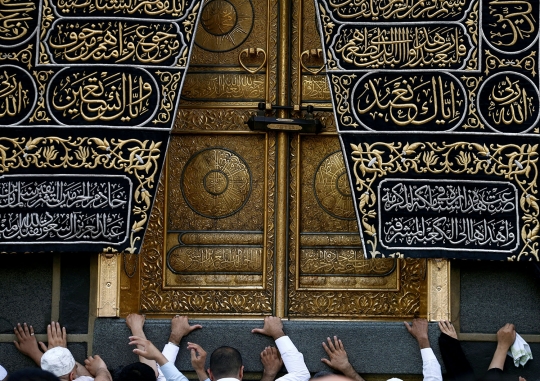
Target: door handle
252,52
316,53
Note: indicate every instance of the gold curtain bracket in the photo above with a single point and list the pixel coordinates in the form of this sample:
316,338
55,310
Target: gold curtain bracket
252,52
315,53
438,289
108,289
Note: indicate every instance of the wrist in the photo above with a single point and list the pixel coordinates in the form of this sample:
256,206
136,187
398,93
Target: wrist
348,371
268,372
423,342
278,334
175,340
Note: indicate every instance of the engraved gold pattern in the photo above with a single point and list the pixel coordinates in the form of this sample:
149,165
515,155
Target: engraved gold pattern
225,25
216,182
332,188
155,299
386,292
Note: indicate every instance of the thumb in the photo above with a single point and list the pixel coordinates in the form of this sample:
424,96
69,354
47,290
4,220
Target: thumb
257,330
407,326
194,327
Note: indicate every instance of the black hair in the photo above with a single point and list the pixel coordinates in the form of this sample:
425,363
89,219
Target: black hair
225,362
137,371
32,374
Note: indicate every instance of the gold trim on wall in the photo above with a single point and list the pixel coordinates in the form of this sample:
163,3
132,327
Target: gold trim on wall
438,289
108,285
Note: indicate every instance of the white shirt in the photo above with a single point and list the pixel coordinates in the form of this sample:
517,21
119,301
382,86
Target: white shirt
168,372
430,366
293,361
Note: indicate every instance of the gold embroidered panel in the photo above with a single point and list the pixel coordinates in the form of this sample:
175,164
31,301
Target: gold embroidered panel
89,93
437,106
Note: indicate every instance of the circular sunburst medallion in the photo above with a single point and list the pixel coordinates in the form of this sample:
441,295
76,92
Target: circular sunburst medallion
332,187
224,24
216,183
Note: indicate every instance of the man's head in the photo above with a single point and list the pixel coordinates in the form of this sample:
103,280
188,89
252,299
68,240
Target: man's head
137,372
60,362
225,362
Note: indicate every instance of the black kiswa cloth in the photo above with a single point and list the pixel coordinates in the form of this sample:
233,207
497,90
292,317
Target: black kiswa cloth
457,366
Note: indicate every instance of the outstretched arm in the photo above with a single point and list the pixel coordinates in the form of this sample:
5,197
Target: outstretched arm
179,328
146,349
135,323
505,338
57,337
292,358
430,365
198,360
339,359
26,342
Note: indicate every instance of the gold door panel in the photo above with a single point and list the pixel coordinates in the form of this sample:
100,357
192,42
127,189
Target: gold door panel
216,212
328,273
233,63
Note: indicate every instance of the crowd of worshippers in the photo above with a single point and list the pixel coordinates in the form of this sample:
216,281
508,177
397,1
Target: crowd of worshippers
56,362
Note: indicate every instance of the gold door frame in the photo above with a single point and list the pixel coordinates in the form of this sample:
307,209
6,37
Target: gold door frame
132,276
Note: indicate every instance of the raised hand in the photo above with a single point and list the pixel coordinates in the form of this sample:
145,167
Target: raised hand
272,363
338,358
273,327
26,342
198,360
448,328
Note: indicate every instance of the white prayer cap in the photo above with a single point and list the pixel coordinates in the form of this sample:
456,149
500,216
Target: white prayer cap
394,379
58,360
3,373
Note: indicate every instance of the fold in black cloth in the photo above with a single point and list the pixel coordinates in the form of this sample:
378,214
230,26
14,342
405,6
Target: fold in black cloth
494,374
457,366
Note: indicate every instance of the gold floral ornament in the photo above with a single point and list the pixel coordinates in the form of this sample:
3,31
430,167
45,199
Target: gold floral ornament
527,63
512,162
134,157
23,56
170,82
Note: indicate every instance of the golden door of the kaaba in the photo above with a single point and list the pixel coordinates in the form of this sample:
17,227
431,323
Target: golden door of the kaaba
249,223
